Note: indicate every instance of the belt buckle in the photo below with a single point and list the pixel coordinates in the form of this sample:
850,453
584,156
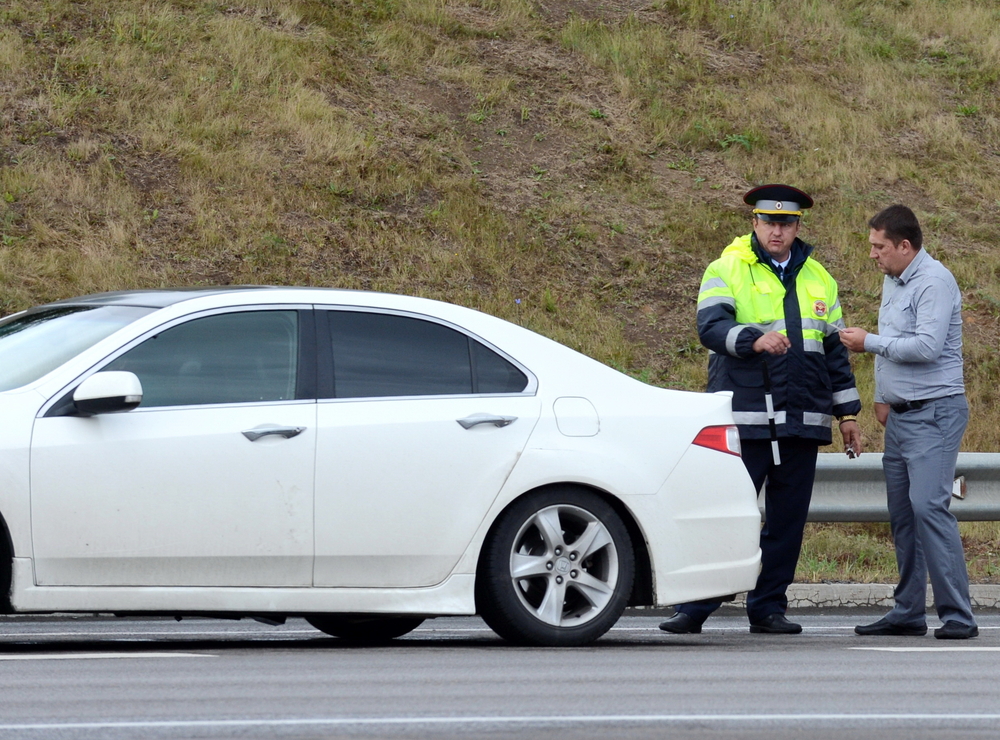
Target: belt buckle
902,408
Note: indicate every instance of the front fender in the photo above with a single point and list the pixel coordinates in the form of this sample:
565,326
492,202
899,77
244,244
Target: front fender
18,410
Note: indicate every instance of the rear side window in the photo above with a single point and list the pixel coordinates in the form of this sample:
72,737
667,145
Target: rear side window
494,374
378,355
242,357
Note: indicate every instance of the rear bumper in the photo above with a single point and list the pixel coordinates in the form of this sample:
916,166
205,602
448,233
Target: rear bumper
707,537
707,582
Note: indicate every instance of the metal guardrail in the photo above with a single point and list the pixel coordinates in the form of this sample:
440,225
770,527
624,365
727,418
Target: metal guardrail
854,490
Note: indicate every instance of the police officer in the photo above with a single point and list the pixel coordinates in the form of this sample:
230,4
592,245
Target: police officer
769,314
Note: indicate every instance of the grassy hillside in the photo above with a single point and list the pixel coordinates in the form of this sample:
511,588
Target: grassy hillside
572,165
584,158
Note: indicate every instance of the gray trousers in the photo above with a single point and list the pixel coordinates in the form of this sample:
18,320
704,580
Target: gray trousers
921,449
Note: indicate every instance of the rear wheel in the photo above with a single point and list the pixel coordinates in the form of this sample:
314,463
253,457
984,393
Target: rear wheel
556,570
364,628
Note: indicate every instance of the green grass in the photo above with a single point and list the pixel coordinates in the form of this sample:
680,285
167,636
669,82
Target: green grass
357,143
863,553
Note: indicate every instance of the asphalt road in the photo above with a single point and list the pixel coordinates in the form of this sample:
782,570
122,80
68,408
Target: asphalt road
453,678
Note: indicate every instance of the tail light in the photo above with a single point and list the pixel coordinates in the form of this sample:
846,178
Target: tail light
723,439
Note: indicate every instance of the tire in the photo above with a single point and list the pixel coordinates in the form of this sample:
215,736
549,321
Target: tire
556,569
365,629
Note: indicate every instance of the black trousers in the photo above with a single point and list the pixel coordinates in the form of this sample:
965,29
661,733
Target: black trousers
786,503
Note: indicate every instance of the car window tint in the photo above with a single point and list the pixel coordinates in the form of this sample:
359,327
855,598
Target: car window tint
228,358
387,355
494,374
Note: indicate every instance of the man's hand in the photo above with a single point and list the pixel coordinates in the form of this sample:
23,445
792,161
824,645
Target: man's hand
853,338
882,413
774,343
851,433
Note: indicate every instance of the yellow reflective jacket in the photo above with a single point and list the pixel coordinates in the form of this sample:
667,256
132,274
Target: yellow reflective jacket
741,298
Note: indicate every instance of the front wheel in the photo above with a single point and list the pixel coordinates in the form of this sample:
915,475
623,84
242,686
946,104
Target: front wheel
365,629
556,570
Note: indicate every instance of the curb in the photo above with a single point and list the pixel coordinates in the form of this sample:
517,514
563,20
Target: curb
985,596
805,595
840,595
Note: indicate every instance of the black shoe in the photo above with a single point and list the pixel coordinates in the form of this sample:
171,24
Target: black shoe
681,624
885,627
776,624
952,630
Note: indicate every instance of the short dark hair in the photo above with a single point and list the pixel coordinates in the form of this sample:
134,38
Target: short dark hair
898,222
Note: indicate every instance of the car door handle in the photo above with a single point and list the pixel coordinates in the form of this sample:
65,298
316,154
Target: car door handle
287,432
501,421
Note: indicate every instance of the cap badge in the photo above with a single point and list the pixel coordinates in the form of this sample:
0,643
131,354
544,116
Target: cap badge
819,308
777,205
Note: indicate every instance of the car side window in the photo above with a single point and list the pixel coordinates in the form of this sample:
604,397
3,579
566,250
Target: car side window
493,373
378,355
242,357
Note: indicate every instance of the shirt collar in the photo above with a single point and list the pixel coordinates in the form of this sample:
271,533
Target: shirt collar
911,268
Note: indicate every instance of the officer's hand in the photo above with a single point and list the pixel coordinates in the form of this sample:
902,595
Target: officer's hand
852,438
853,338
774,343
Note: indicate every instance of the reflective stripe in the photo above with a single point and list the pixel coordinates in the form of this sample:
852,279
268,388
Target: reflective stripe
716,300
833,326
816,420
778,325
734,333
715,282
731,339
758,417
851,394
817,324
813,345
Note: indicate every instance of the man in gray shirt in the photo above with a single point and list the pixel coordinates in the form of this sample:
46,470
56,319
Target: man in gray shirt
920,399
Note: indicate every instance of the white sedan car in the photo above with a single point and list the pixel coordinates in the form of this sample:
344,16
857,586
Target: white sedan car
362,460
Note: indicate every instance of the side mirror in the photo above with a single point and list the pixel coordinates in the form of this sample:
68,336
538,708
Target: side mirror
108,393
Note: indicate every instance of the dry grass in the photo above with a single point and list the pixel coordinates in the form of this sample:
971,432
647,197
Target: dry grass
569,165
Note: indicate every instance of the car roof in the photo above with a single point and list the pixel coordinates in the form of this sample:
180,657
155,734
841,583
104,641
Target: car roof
152,298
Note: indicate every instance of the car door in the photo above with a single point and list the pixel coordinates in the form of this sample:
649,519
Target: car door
208,483
422,427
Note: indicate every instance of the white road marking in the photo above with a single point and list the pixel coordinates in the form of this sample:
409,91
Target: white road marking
543,719
100,656
810,631
943,649
178,633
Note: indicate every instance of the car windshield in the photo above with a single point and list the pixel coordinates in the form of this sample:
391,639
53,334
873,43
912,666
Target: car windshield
36,343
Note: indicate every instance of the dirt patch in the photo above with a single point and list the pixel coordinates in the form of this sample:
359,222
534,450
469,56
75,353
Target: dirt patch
560,12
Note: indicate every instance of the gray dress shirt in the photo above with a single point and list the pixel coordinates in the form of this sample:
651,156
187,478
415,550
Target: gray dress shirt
919,345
